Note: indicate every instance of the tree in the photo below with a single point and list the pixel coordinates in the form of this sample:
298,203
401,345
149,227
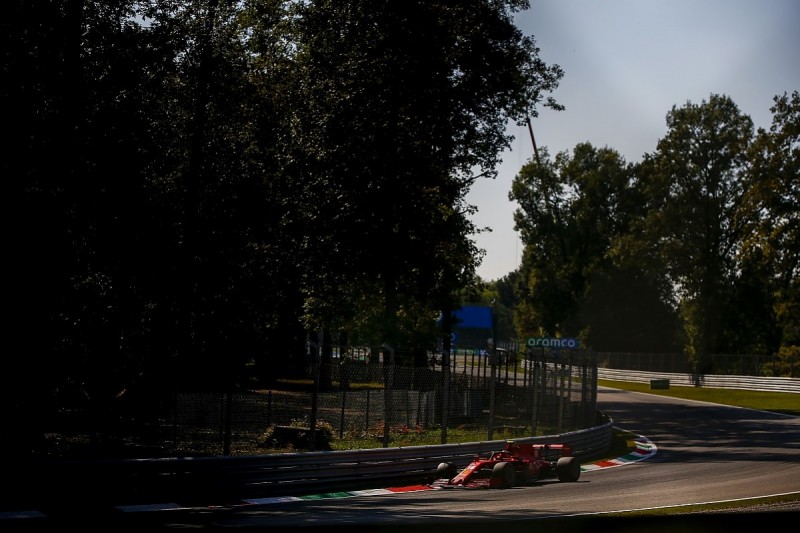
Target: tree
506,300
401,102
199,184
568,212
770,222
545,293
85,237
694,184
214,181
575,214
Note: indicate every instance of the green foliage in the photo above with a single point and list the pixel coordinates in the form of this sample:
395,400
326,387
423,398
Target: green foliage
196,185
694,183
769,217
688,249
576,277
393,137
786,365
501,295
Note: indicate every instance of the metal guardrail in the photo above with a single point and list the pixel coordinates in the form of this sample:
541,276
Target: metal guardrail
140,481
144,481
135,481
756,383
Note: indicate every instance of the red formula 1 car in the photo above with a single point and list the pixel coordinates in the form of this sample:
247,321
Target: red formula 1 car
517,464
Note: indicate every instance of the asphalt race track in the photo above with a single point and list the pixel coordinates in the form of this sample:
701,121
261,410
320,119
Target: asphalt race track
704,453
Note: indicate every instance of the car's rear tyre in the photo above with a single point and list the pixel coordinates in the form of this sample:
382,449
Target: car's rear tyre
568,469
503,475
446,471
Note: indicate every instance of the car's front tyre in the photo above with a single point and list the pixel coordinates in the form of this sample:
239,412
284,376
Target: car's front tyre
503,475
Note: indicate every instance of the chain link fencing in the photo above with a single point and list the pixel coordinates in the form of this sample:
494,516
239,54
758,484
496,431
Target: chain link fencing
354,401
361,402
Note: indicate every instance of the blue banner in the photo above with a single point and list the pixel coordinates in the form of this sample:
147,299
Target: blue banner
473,316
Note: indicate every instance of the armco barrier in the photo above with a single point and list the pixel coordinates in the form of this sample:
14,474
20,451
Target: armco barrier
756,383
145,481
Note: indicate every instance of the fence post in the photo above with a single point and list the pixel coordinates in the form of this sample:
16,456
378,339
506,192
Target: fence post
492,379
314,393
387,396
408,408
419,407
445,392
366,415
226,443
534,385
562,392
341,418
269,408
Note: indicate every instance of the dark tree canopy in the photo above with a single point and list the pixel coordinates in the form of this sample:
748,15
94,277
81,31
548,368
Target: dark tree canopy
396,134
197,185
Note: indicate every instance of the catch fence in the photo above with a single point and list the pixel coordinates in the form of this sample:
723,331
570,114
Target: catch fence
359,400
352,403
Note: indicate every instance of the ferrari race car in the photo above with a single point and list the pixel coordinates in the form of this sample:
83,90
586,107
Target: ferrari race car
517,464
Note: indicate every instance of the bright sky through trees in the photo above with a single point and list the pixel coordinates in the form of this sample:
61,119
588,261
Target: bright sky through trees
626,63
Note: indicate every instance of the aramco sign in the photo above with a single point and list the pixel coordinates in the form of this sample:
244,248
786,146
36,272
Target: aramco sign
552,342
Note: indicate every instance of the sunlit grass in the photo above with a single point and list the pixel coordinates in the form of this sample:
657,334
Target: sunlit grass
777,402
402,437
